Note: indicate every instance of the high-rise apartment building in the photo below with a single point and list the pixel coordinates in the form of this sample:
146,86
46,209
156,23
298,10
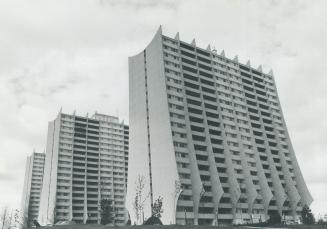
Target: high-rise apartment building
209,136
86,161
32,187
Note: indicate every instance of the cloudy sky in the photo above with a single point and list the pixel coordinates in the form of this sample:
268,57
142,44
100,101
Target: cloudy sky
73,54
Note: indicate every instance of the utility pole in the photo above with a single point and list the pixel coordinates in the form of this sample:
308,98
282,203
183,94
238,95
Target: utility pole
142,217
321,221
185,216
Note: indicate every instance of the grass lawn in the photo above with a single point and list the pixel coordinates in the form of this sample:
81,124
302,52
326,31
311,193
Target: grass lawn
96,226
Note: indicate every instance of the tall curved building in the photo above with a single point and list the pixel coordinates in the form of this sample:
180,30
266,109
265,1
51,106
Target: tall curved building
208,135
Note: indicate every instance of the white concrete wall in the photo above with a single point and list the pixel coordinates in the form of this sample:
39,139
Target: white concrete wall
138,151
49,187
27,187
164,168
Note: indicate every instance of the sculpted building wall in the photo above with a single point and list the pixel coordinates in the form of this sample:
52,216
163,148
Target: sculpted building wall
209,136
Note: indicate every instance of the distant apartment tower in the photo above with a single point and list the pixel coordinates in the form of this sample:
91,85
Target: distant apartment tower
209,136
32,187
86,161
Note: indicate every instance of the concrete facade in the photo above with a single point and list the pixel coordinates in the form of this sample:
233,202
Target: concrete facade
208,135
32,187
86,161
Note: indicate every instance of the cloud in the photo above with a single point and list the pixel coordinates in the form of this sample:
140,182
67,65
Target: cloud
73,54
6,176
318,190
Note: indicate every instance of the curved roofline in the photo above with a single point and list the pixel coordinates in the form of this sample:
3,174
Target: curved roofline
235,59
158,33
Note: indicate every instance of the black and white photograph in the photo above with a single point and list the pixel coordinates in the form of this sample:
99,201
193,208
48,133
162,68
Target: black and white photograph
163,114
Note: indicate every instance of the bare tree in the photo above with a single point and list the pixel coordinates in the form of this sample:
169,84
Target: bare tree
140,199
3,217
138,208
20,221
12,218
